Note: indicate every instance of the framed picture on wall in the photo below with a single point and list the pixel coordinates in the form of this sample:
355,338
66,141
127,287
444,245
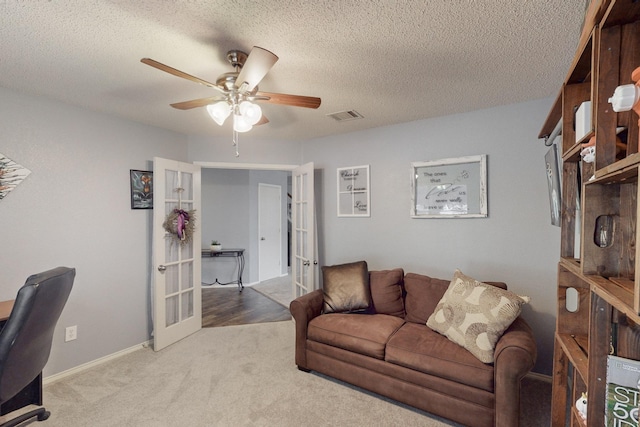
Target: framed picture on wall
353,191
553,182
449,188
141,189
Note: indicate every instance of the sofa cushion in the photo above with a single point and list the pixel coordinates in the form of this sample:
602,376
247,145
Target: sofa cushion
418,347
346,287
361,333
423,294
386,292
475,315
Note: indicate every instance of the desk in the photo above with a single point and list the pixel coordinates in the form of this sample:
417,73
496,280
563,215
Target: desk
228,252
5,310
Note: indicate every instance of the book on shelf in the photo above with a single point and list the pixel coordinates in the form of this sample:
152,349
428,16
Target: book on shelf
623,379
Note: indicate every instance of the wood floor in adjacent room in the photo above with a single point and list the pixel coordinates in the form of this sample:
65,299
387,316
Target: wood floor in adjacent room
227,306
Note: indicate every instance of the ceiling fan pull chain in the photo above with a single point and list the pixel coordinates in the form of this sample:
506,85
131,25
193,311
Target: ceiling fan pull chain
236,143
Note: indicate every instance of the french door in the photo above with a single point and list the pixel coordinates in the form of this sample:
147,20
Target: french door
304,269
177,301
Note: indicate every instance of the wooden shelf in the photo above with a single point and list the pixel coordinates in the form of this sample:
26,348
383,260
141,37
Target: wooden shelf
585,138
574,346
573,154
578,418
618,296
620,170
620,12
552,118
571,264
598,294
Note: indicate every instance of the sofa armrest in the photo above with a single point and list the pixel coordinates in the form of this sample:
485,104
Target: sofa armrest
304,309
515,356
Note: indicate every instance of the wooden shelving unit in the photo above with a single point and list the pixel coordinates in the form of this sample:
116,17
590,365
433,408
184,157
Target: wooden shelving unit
599,281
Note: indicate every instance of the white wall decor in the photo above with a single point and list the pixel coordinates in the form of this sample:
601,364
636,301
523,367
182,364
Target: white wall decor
353,191
11,175
449,188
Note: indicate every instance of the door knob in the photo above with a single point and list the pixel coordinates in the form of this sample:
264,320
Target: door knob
306,263
161,268
262,238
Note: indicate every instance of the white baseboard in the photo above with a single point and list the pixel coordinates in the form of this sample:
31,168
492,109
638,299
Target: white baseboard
94,363
55,377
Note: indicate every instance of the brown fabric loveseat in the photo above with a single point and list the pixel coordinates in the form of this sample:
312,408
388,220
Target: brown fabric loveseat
388,349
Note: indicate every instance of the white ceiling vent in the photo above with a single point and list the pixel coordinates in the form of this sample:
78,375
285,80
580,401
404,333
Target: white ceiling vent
342,116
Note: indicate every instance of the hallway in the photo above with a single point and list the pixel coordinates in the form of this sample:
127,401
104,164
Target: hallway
263,302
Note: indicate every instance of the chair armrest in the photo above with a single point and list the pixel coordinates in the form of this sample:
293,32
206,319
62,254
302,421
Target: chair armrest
514,357
304,309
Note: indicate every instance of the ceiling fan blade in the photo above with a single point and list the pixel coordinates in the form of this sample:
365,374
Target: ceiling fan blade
255,68
263,121
284,99
178,73
195,103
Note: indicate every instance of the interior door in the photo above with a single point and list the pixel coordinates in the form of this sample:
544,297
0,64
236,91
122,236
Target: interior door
304,263
269,231
177,308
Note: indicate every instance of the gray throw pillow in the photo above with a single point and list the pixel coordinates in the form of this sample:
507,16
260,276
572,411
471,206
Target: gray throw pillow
346,287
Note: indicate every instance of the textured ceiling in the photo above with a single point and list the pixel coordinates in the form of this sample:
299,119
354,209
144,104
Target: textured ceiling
392,61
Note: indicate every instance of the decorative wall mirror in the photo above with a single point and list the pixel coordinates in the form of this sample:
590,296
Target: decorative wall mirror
449,188
353,191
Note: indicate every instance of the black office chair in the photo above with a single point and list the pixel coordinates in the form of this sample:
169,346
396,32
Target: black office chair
25,341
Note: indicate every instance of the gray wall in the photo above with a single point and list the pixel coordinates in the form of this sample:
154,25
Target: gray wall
230,215
74,210
208,149
515,244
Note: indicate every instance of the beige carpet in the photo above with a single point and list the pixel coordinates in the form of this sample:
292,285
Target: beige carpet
231,376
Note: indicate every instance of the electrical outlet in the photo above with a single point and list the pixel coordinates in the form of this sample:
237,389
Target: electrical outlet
71,333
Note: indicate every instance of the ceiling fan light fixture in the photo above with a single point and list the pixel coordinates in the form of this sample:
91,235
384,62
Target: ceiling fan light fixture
237,91
219,111
240,124
250,112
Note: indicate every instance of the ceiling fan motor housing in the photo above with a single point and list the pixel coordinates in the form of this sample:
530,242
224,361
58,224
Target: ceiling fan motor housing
237,58
227,80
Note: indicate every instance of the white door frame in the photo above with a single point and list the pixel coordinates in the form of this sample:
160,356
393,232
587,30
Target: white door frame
273,167
253,166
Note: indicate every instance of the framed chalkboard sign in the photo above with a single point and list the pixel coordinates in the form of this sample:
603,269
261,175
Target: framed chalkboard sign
353,191
449,188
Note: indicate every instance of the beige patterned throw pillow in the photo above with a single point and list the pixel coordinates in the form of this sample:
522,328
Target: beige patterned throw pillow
474,315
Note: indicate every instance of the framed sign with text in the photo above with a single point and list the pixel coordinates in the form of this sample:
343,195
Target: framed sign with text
353,191
449,188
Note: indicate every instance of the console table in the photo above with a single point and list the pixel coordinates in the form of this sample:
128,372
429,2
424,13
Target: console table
238,253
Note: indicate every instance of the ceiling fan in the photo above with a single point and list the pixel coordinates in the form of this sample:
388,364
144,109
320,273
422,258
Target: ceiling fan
238,90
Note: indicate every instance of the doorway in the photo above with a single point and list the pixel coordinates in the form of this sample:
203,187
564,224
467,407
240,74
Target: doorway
231,214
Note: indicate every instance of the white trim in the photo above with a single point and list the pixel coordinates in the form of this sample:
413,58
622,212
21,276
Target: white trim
80,368
94,363
256,166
